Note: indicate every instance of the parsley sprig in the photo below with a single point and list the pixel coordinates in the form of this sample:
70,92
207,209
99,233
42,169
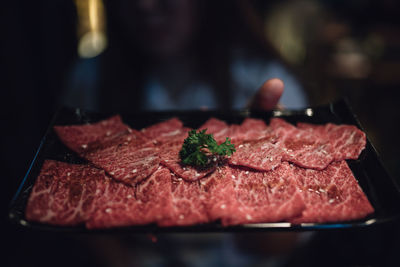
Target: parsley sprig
201,150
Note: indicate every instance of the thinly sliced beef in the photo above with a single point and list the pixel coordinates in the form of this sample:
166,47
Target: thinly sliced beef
171,130
253,197
214,125
282,141
220,197
188,207
265,196
126,159
263,154
119,205
278,172
64,194
316,146
331,195
218,128
83,138
126,155
250,130
169,155
307,149
347,141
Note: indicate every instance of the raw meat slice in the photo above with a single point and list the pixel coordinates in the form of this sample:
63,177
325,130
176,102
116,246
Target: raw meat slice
281,127
155,195
82,138
307,149
64,194
250,129
133,137
125,160
331,195
188,206
171,130
240,196
124,153
347,141
220,197
263,154
214,125
315,146
251,124
235,133
265,196
118,206
219,129
169,155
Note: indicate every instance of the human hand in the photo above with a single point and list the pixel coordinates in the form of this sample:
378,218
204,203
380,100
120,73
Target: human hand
268,95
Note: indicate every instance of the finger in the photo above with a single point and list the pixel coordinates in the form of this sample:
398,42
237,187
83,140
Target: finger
267,97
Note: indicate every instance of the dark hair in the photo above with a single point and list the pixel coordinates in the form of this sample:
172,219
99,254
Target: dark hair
223,24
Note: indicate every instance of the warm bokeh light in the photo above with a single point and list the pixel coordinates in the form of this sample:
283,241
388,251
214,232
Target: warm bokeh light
288,30
91,28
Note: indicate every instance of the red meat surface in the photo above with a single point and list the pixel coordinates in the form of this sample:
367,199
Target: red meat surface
126,159
347,141
119,205
250,130
124,153
331,195
171,130
279,172
304,148
220,198
169,155
263,154
188,207
240,196
218,128
64,194
83,138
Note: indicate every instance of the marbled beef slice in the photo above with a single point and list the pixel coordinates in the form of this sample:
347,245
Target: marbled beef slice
85,137
121,205
331,195
64,194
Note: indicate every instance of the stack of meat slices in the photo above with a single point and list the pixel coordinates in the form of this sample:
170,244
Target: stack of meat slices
279,172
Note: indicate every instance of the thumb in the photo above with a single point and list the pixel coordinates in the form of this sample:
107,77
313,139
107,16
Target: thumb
267,97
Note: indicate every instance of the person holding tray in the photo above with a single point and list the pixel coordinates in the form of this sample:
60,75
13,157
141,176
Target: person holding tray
168,55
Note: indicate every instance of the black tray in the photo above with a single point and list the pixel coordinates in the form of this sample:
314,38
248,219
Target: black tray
380,189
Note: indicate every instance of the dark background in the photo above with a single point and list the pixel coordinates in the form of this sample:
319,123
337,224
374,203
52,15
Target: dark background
350,49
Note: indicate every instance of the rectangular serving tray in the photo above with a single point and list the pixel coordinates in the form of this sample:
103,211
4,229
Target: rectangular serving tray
380,188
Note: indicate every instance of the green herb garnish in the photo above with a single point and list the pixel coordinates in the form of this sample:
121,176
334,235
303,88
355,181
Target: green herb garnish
201,150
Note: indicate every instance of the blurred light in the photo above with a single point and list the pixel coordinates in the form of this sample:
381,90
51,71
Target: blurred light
92,44
284,36
350,61
370,221
291,26
91,28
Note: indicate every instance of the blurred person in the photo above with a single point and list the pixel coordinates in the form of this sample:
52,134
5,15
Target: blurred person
180,55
